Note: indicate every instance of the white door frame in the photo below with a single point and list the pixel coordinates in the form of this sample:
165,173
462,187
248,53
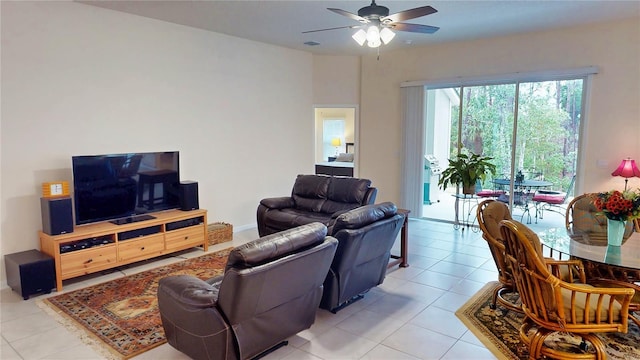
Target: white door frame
356,131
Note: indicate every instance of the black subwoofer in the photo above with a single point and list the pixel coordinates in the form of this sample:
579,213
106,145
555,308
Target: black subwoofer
57,215
188,193
30,272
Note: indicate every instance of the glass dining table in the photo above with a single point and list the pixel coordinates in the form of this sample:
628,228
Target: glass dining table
600,260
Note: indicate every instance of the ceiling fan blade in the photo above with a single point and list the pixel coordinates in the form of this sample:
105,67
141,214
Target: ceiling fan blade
349,15
333,28
416,28
408,14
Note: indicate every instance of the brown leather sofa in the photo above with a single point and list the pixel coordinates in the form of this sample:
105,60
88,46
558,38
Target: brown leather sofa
270,290
365,238
314,198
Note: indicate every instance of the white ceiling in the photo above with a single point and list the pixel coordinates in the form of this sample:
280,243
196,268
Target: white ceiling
282,22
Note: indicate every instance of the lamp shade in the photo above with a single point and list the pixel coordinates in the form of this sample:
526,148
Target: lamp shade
386,35
336,142
373,33
360,37
627,169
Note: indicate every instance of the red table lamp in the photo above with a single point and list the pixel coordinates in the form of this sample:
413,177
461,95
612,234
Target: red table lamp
627,169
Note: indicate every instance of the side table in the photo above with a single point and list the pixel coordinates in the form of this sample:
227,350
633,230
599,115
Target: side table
30,272
402,260
464,217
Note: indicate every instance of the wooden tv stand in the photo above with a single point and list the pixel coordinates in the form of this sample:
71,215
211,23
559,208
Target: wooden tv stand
104,245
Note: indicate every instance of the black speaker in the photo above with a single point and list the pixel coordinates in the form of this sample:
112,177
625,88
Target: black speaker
57,215
188,195
30,272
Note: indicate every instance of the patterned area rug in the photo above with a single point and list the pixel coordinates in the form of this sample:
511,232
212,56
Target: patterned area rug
498,331
121,316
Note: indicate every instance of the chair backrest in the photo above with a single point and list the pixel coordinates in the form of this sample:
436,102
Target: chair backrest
531,276
583,216
275,280
490,213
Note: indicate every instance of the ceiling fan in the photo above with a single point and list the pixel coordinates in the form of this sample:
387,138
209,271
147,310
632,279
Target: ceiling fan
378,23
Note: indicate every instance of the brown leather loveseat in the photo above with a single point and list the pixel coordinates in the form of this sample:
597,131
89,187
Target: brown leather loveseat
270,290
314,198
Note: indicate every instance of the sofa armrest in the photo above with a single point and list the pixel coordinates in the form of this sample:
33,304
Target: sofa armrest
278,202
191,319
370,197
188,290
215,281
338,213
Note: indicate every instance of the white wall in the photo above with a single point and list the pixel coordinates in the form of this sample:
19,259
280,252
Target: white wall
612,130
336,80
78,79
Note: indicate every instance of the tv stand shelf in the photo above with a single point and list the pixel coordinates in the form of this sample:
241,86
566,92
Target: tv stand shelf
104,245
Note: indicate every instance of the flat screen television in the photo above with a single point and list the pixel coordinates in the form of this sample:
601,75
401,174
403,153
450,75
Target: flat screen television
124,188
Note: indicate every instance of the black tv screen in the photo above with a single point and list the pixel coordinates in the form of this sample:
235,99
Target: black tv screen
121,186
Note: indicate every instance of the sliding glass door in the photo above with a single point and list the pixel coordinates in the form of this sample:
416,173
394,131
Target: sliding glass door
487,126
531,131
548,129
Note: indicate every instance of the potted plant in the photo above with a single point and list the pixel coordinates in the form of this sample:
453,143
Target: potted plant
466,170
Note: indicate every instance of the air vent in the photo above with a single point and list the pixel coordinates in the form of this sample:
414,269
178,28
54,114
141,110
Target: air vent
312,43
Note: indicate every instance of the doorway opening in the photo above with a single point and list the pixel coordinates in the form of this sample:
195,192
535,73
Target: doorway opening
336,136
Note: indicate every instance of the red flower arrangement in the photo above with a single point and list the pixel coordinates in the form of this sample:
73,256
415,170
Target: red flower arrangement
618,205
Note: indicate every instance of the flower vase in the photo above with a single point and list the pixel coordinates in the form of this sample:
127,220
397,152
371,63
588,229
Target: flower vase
612,255
615,231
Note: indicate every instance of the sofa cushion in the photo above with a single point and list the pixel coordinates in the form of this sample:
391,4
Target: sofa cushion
288,218
310,192
345,193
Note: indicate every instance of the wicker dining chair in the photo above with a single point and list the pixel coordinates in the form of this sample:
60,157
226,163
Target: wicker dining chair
551,305
583,216
489,213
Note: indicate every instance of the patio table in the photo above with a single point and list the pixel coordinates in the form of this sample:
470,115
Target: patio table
523,191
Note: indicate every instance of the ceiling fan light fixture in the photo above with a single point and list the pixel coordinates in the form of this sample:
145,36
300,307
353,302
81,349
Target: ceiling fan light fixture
386,35
376,24
374,44
360,37
373,33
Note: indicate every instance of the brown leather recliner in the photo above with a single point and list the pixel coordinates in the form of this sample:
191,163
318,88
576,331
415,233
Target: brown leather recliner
365,238
270,290
314,198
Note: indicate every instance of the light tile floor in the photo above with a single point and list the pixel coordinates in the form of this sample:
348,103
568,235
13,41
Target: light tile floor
410,316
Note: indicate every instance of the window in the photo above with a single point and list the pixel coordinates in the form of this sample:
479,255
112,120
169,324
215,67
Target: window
332,129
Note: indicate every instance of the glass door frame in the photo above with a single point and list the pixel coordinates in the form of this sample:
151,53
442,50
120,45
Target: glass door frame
585,78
